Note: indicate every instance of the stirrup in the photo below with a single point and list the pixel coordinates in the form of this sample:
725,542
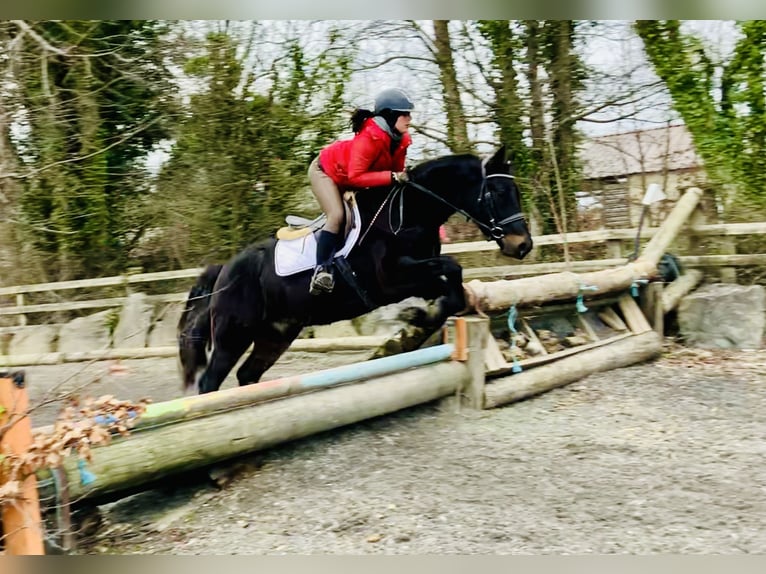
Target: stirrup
322,281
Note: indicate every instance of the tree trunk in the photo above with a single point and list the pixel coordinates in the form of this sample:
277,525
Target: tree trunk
539,152
457,130
561,70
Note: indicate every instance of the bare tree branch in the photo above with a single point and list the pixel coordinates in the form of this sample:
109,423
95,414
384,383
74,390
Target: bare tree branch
27,29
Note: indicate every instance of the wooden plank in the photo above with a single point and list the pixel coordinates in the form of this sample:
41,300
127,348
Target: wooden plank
610,317
478,336
494,361
102,281
737,260
22,521
596,236
592,335
360,343
88,304
633,316
651,306
599,235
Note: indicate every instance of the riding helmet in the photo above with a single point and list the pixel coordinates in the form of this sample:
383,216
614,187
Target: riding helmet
393,99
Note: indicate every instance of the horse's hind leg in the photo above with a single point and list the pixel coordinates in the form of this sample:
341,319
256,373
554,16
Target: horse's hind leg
230,340
268,346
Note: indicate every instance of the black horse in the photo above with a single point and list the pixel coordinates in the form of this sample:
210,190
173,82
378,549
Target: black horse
397,256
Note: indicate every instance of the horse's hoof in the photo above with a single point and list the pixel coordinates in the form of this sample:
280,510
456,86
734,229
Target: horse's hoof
416,316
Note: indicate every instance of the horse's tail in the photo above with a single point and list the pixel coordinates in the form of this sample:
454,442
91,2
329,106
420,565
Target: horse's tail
194,326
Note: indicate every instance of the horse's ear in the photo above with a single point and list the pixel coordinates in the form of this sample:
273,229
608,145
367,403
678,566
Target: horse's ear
510,161
497,160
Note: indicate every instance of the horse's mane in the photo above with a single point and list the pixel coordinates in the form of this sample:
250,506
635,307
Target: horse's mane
426,168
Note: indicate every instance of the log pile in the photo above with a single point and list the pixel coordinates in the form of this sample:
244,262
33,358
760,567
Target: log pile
489,296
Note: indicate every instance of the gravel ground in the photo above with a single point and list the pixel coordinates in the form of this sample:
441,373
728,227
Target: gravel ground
663,457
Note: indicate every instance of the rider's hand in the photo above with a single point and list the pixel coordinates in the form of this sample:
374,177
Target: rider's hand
399,177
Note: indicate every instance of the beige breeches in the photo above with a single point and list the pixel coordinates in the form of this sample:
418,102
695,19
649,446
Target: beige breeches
328,196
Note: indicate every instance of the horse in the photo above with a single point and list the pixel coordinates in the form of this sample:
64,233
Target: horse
396,255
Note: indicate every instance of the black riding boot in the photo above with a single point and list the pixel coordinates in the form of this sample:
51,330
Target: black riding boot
323,280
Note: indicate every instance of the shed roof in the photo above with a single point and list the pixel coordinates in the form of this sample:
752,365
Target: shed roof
642,151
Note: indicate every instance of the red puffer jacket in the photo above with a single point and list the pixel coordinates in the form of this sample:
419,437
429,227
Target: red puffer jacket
365,160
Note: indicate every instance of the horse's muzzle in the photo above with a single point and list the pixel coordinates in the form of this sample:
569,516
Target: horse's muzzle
515,246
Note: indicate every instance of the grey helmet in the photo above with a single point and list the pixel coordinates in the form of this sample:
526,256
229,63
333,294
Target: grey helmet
393,99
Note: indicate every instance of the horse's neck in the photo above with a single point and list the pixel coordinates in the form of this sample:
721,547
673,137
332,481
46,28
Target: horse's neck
407,210
451,196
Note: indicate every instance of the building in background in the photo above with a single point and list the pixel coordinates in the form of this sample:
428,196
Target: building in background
618,169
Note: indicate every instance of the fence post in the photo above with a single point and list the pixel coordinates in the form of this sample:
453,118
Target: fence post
614,248
22,522
727,245
651,305
469,335
129,290
20,302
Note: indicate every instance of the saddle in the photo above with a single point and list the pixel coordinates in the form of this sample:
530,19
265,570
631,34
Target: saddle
298,226
295,250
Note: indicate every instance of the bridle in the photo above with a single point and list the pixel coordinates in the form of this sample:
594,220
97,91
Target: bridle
493,227
496,229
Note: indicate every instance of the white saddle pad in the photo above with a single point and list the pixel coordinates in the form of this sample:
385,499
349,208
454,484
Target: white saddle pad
296,255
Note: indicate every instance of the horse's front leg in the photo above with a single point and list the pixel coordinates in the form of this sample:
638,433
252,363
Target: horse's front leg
439,279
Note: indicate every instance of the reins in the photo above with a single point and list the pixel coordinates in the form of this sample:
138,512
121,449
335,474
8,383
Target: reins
494,228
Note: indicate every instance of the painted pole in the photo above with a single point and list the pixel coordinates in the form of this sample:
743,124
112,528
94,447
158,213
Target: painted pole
227,399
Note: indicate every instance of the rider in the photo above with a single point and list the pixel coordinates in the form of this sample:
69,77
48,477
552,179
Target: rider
374,157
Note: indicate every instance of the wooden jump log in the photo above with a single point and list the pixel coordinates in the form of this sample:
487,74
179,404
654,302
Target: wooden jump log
528,291
21,519
673,293
144,457
621,353
185,408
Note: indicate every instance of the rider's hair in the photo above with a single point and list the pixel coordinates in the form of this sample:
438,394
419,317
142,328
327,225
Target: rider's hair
358,118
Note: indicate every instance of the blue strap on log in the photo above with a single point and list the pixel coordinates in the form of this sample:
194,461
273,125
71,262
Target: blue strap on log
86,476
581,308
512,314
634,286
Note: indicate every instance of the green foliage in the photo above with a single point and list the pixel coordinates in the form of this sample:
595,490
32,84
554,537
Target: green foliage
240,158
729,132
93,108
539,49
509,108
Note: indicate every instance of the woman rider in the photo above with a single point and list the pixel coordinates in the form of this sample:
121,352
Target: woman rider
373,157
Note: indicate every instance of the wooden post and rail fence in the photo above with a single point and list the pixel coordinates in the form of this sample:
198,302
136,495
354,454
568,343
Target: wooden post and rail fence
14,300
